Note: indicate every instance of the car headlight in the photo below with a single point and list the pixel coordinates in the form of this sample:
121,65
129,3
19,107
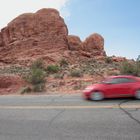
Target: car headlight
88,89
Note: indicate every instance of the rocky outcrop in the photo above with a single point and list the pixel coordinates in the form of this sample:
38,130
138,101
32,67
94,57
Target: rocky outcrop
45,24
34,35
94,44
44,34
118,59
75,44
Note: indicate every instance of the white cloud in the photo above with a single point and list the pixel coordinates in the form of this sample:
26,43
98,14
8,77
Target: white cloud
9,9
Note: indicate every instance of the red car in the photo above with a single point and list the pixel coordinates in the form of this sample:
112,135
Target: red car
114,87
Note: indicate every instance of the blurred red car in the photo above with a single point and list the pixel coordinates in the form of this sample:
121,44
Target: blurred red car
114,87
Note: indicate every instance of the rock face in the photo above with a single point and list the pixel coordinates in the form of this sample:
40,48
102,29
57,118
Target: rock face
44,34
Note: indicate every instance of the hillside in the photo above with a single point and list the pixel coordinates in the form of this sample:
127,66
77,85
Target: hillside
44,35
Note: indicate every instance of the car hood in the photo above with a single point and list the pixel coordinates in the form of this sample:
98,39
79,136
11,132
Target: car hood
99,85
95,86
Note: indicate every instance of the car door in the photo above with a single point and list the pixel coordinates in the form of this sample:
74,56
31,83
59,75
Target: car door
126,87
119,87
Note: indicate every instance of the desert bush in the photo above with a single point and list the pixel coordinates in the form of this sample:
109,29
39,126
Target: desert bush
36,76
126,68
39,87
63,63
53,69
130,68
58,76
78,86
38,64
76,73
25,90
14,70
108,60
137,68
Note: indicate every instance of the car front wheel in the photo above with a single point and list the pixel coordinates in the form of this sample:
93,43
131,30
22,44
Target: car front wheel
137,94
97,96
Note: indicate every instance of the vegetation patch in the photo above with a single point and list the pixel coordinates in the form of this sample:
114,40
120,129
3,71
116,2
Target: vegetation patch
108,60
64,63
14,70
128,68
53,69
76,73
37,75
26,89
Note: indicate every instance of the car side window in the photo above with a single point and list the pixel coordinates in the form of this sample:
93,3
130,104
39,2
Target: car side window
126,80
120,80
112,81
115,81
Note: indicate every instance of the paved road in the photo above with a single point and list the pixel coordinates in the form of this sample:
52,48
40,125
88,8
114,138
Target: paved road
68,118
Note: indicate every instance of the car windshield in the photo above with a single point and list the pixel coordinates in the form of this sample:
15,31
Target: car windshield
106,81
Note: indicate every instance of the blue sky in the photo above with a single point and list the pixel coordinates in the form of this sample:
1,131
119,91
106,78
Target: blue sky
118,21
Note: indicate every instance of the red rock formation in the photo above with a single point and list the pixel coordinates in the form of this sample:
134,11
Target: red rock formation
118,59
94,44
44,24
44,34
34,35
74,43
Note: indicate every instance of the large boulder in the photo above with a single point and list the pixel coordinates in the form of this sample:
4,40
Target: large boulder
94,44
74,43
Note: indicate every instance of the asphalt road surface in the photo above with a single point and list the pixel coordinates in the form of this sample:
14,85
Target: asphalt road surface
68,117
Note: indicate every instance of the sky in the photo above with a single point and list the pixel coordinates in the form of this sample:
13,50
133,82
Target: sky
118,21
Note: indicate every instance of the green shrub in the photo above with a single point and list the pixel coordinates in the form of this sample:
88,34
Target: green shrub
38,64
63,63
39,87
108,60
126,68
58,76
25,90
130,68
36,76
14,70
53,69
75,73
137,68
77,87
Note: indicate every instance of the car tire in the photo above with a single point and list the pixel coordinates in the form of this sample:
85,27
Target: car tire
137,94
97,96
